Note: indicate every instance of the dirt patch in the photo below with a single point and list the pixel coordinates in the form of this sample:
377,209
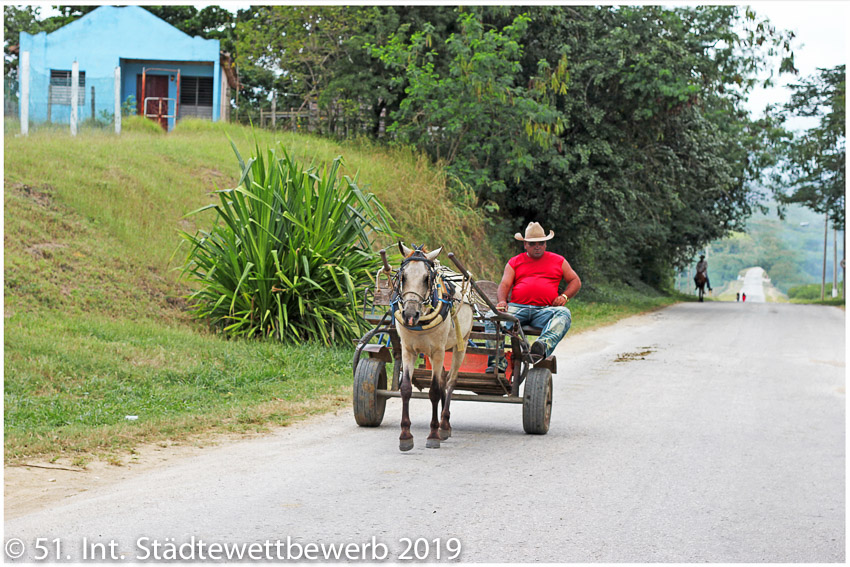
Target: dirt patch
45,249
212,179
638,355
41,198
35,485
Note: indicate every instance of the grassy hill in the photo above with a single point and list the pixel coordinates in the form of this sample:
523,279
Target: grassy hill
789,249
99,352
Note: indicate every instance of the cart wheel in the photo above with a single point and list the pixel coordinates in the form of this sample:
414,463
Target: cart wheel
537,401
370,376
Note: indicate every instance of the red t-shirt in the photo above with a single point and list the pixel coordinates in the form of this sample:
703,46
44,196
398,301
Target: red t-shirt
536,281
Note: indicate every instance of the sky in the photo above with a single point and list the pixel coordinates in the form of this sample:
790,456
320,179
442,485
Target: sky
821,30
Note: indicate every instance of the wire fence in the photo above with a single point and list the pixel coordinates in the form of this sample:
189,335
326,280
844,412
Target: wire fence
10,98
336,119
62,99
51,105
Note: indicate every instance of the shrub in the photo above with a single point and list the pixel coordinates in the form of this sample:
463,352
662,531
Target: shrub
289,252
811,291
198,125
140,124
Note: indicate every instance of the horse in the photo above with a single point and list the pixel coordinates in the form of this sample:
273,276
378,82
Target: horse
431,318
700,279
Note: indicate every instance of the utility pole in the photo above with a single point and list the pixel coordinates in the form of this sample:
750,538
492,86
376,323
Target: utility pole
834,261
823,275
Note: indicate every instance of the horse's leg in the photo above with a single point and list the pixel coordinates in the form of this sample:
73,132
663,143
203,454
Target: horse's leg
405,440
458,355
443,436
437,394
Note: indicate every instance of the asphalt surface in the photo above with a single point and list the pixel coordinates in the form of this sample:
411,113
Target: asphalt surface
705,432
753,286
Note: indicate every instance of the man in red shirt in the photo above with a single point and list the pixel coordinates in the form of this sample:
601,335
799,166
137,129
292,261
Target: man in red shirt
530,282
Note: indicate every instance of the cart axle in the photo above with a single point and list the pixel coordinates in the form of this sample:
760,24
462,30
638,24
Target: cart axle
463,397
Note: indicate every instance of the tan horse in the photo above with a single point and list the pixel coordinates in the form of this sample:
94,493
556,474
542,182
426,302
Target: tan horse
430,318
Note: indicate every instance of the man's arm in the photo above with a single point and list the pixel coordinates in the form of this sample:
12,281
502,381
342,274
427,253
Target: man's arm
505,287
573,285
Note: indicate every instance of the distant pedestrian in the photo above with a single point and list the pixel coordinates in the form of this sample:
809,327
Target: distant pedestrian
738,296
744,297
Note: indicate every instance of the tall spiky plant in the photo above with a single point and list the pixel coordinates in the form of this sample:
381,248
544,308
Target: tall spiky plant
289,254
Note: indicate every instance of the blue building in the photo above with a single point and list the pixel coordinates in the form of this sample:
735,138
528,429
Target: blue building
182,76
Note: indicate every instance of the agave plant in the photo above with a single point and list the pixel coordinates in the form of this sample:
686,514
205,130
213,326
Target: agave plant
288,254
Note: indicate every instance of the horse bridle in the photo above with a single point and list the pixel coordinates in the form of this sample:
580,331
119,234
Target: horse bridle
417,256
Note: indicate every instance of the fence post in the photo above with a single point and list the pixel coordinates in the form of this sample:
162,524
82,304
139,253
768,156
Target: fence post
24,75
75,87
118,100
274,109
92,103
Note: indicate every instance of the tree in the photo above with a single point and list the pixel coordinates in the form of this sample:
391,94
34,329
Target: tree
813,171
656,155
17,19
296,44
319,55
476,117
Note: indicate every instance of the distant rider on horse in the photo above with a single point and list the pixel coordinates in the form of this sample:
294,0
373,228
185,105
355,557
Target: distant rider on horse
702,268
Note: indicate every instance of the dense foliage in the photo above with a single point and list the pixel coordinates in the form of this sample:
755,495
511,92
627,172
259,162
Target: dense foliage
620,127
812,292
289,253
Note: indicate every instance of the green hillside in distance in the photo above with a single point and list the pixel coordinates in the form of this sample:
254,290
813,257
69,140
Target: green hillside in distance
790,250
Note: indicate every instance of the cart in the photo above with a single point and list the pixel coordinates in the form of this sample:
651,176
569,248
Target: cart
380,349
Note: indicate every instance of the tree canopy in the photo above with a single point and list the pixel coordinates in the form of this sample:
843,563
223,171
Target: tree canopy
813,162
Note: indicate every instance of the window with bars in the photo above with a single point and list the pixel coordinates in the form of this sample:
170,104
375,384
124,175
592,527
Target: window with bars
196,97
60,87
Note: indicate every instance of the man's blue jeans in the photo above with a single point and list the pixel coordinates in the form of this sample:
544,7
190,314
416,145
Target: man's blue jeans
554,321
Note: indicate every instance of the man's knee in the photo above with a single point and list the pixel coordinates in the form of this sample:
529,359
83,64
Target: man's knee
562,313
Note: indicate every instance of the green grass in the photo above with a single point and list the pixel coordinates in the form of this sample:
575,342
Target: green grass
603,304
72,380
94,311
835,301
139,185
96,326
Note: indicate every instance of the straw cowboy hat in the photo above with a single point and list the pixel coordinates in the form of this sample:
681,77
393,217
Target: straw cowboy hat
534,233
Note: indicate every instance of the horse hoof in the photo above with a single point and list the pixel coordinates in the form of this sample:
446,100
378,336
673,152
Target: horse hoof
405,444
432,444
445,434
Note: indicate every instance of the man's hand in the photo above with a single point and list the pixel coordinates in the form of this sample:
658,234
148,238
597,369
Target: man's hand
561,300
501,306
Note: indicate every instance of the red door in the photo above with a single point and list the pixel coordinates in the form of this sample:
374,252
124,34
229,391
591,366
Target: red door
156,91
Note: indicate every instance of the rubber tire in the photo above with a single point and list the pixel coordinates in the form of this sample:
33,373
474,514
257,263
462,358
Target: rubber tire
537,401
369,377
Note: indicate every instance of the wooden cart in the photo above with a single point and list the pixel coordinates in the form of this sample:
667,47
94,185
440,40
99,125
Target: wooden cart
522,383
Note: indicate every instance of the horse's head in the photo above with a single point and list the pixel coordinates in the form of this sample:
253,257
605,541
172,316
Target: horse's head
416,278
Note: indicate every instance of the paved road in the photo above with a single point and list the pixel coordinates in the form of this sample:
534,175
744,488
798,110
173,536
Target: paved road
708,432
753,285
